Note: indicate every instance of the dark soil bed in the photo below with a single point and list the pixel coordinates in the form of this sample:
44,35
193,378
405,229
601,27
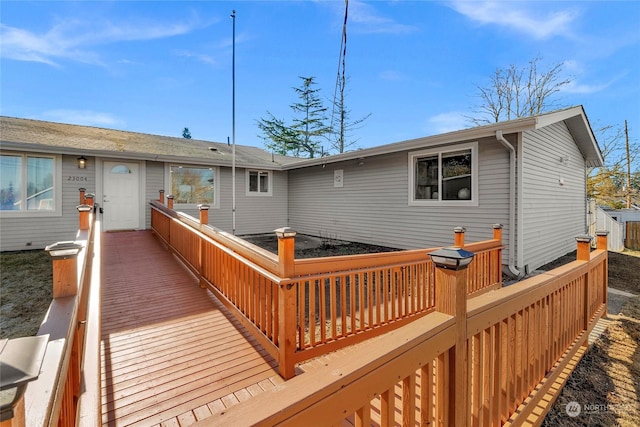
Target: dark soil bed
315,247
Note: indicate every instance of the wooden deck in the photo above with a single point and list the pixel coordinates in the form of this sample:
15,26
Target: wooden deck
171,353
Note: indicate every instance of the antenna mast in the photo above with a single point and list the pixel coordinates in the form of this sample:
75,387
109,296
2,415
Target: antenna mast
233,126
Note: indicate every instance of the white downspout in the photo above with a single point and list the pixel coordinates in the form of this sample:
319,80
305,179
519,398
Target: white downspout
512,204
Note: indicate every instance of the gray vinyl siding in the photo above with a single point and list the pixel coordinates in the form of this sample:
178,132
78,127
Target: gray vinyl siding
552,214
154,182
372,206
28,232
254,214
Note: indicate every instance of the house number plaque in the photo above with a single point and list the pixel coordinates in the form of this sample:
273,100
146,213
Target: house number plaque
77,178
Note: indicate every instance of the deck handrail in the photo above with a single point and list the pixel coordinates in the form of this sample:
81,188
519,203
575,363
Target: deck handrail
70,373
497,359
299,309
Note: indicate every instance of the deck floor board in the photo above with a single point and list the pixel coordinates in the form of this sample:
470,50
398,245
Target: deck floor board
171,352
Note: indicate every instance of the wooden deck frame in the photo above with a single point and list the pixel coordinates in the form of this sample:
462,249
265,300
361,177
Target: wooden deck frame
520,345
410,374
268,292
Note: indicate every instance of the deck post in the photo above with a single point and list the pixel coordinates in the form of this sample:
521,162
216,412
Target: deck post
170,201
82,191
204,214
583,253
83,211
89,199
204,220
497,232
497,263
451,298
286,302
161,197
65,271
458,239
603,244
602,240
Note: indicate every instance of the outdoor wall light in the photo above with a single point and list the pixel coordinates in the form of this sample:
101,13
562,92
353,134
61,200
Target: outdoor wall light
20,363
452,258
63,250
82,162
285,232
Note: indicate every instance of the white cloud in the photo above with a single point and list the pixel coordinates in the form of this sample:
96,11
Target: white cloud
447,122
74,39
364,18
585,89
576,85
392,75
201,57
82,117
515,15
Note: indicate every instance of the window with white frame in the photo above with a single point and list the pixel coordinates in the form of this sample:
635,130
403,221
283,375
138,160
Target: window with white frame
193,185
29,183
444,176
258,183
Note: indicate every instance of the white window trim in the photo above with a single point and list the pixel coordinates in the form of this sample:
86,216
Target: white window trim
216,185
258,193
57,188
446,149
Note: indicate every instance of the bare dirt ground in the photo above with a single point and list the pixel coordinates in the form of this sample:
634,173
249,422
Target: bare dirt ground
25,292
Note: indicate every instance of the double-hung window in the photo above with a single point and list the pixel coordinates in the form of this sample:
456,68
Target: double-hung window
29,184
193,185
258,183
444,176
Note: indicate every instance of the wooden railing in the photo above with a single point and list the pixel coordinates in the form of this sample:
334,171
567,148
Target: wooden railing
498,359
67,391
302,308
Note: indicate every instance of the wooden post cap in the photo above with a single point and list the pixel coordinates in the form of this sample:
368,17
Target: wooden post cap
285,232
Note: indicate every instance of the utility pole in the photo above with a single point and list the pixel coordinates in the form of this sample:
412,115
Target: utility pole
626,134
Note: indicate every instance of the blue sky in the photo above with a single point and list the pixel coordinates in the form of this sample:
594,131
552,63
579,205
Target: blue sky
159,66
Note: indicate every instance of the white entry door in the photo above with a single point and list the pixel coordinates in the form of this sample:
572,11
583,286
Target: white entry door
120,200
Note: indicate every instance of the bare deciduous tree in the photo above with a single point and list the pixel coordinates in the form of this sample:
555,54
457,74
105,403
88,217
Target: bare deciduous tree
519,92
